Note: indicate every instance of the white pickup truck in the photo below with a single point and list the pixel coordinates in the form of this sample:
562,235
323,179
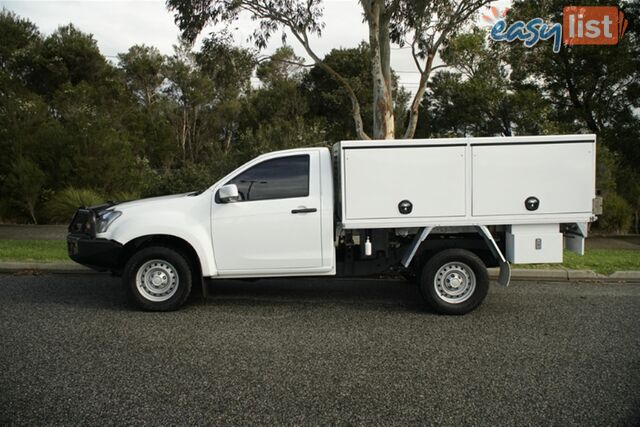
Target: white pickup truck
437,211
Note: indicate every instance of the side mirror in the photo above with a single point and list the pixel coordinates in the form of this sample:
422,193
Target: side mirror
229,193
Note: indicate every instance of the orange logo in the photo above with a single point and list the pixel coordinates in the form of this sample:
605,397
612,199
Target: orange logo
592,25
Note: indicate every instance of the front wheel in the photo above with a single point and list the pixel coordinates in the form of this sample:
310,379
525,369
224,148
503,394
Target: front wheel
158,278
454,281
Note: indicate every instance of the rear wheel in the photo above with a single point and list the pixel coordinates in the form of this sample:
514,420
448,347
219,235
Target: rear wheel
454,281
158,278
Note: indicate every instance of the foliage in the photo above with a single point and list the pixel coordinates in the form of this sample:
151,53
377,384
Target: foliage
60,208
607,163
123,196
283,66
629,187
477,97
325,96
329,101
616,214
186,179
19,36
67,55
588,84
593,88
155,124
424,25
23,186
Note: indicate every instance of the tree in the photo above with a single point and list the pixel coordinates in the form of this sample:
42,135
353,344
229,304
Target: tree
326,97
281,95
422,24
189,90
629,186
19,37
205,87
144,69
23,186
67,55
475,96
587,84
229,69
277,116
282,66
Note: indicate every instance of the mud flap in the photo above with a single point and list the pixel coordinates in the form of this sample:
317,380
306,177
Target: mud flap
575,236
504,277
205,288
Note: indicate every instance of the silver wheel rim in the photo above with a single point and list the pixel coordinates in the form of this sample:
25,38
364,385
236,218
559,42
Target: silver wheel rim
157,280
454,282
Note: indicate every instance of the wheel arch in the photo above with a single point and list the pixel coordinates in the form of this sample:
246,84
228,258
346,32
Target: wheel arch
175,242
477,240
472,242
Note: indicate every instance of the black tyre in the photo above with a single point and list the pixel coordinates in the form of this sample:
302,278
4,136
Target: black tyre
158,278
454,281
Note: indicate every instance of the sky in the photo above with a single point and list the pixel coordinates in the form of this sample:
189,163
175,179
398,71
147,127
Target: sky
118,24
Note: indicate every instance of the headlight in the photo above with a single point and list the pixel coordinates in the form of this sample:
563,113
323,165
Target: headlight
105,219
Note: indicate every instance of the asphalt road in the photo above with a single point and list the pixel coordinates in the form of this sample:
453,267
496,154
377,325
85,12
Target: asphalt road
318,352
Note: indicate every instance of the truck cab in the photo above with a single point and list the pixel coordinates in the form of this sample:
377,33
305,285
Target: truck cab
275,217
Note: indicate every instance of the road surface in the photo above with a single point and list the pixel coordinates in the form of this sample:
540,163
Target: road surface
317,352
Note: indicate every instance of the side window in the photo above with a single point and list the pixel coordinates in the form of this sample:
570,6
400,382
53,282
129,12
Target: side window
280,178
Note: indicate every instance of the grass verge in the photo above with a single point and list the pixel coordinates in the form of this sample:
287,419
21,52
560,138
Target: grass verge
604,261
33,250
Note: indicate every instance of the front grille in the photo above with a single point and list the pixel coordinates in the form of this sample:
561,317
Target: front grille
83,222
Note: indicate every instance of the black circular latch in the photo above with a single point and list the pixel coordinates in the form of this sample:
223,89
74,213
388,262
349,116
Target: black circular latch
532,203
405,207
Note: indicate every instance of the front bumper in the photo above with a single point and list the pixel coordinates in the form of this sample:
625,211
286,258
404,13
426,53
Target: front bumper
85,248
95,253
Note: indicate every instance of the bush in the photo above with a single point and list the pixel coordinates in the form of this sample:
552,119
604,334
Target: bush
64,203
123,196
616,214
188,178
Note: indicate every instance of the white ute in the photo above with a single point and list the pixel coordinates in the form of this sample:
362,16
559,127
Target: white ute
436,211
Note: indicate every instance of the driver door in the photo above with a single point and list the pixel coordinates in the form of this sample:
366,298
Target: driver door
275,227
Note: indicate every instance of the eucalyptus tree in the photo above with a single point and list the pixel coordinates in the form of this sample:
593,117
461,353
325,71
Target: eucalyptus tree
145,70
422,25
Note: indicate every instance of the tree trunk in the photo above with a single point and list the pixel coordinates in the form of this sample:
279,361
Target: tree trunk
414,109
183,136
383,114
195,142
148,96
355,104
32,212
227,141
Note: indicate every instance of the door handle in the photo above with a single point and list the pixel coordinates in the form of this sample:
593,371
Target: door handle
303,210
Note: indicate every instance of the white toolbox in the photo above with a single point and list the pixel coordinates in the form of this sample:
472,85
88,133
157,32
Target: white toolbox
534,243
